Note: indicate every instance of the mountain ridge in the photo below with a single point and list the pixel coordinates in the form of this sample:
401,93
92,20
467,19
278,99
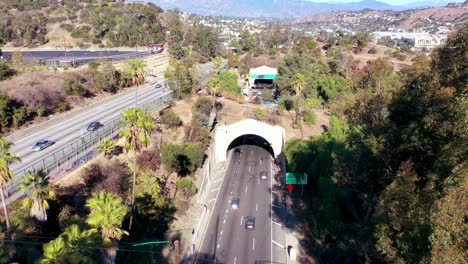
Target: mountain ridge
284,9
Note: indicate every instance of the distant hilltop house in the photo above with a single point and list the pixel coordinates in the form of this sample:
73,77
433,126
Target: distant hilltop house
262,77
155,48
420,40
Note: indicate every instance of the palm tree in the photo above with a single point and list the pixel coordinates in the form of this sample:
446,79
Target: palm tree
36,182
215,85
137,71
6,158
106,217
299,85
72,246
55,252
138,127
108,147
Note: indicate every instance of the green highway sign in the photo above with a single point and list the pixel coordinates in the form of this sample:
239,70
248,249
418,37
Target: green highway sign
291,178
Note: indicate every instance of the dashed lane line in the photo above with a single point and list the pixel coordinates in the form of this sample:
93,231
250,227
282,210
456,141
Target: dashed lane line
278,244
212,200
242,218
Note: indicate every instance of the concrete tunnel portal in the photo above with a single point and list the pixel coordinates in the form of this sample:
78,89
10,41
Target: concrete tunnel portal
248,132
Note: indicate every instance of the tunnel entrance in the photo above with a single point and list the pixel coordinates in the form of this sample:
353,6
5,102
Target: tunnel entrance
250,139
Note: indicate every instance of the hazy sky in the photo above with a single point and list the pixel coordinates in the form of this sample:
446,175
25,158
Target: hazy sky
391,2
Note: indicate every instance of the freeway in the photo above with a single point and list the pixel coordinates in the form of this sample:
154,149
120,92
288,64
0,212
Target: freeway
70,127
226,240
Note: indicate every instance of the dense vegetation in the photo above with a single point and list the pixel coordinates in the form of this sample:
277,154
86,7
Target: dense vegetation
107,23
18,106
387,181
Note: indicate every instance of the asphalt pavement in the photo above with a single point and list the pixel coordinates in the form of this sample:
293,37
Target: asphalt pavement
226,240
64,130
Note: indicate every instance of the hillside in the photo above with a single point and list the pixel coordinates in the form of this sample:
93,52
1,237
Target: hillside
78,24
428,19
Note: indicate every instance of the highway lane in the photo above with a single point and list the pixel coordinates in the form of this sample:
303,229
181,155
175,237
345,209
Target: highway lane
226,238
68,130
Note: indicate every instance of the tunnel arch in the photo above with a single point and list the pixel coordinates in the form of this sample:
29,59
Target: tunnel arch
250,139
229,136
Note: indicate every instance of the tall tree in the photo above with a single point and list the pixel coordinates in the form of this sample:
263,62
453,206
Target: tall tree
137,70
299,85
6,158
106,217
36,182
138,127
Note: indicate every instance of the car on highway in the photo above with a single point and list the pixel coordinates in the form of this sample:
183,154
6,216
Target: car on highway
158,85
250,222
42,144
235,203
94,126
263,175
237,151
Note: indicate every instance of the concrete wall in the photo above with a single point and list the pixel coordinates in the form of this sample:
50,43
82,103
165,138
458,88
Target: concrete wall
225,134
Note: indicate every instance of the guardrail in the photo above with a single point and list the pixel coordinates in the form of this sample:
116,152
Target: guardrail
69,157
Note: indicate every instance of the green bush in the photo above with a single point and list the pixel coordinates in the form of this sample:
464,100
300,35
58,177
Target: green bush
41,111
68,27
82,32
62,107
5,111
20,116
309,117
259,114
398,55
6,71
182,158
187,187
229,82
202,107
372,50
170,118
72,87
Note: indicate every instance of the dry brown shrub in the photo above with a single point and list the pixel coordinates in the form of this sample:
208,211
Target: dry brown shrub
149,160
32,89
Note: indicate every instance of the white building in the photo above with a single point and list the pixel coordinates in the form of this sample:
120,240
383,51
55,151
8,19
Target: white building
421,40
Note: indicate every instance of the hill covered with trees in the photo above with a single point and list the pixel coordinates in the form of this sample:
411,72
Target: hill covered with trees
79,23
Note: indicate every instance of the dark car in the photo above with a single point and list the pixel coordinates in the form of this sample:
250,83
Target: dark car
250,222
158,85
94,126
235,203
42,144
263,175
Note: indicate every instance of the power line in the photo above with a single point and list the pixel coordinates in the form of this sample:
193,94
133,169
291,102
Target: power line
83,247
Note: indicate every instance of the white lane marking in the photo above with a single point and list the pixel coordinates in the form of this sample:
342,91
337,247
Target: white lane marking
217,246
258,181
249,168
271,218
224,221
275,192
253,245
277,244
242,218
227,210
215,190
256,207
276,223
211,200
246,187
221,233
275,206
235,258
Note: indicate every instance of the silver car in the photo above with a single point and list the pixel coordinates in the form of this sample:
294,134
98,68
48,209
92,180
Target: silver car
42,144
